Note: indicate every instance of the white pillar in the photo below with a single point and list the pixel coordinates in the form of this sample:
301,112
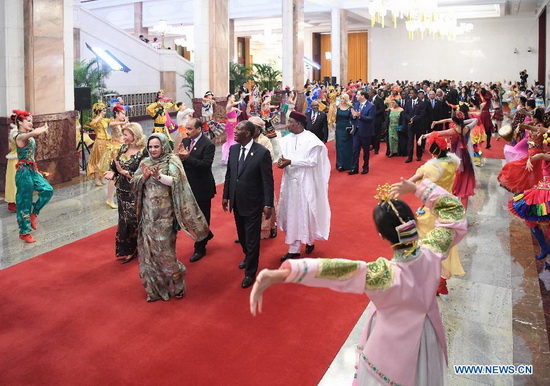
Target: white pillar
339,45
211,28
293,43
202,44
335,44
12,76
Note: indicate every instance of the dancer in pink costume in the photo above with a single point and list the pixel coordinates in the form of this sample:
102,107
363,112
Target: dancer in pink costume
232,112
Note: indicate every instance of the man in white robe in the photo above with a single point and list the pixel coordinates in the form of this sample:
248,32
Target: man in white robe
303,212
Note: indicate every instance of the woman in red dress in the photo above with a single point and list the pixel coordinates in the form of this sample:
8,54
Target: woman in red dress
515,176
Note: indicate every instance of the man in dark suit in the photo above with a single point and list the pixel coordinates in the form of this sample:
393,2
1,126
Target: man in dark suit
363,115
434,111
197,154
415,110
317,122
248,191
377,99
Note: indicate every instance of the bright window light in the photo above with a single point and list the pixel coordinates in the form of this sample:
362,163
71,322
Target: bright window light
311,63
109,59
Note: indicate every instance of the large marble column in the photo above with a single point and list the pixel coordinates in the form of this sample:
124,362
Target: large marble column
211,30
293,43
232,42
43,29
339,45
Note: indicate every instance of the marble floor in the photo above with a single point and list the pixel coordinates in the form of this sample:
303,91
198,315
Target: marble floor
494,315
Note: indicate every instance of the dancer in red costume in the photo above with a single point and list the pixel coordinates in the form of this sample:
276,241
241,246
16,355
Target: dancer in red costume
533,205
516,176
465,180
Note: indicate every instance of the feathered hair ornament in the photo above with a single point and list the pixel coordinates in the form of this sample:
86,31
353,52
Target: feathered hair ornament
406,232
117,109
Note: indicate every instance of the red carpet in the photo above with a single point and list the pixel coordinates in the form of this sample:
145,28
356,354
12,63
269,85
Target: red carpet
496,150
76,316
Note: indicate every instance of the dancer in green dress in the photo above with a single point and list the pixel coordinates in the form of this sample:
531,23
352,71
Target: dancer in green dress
28,178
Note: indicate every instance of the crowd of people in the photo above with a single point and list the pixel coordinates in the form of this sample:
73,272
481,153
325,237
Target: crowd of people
165,184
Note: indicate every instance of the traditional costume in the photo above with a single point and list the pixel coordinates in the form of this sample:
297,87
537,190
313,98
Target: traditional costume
102,141
514,177
10,189
403,342
163,206
441,171
28,180
159,112
304,211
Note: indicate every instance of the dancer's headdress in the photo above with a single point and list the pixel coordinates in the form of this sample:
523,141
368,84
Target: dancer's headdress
19,115
97,107
406,232
117,109
440,141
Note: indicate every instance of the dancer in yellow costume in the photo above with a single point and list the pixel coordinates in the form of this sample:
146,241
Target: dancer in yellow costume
99,124
9,188
157,110
441,169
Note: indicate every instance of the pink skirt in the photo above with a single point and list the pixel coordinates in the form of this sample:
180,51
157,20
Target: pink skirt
229,130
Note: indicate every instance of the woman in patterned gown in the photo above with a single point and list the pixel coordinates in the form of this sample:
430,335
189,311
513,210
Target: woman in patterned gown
164,204
123,168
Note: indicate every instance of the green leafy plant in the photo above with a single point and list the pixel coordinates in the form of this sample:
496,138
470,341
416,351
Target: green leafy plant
189,79
265,76
239,74
92,74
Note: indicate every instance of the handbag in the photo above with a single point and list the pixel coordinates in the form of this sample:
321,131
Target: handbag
350,130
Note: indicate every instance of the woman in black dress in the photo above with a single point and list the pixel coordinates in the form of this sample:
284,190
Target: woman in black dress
122,169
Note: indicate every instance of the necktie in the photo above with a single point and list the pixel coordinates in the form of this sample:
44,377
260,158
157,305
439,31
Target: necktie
314,118
192,144
414,102
433,103
240,164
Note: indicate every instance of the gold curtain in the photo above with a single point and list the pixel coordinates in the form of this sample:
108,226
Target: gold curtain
325,64
358,56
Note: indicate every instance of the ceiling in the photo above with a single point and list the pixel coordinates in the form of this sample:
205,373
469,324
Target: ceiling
256,16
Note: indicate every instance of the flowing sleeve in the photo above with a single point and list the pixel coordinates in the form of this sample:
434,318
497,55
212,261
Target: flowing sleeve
188,214
307,159
450,217
342,275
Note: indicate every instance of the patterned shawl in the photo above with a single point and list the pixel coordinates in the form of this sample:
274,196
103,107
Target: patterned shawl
188,214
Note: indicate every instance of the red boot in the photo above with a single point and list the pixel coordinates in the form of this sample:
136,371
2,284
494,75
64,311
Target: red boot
33,221
27,238
442,288
12,207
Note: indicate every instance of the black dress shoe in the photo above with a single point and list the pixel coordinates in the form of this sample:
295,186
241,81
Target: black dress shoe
419,158
353,171
237,241
273,233
409,160
197,256
340,169
365,171
310,248
289,256
242,265
247,282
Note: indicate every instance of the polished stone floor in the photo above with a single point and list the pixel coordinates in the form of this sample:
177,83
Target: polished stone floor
493,315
